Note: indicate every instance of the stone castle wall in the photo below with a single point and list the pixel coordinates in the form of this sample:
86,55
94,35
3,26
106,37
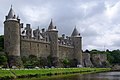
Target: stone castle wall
65,52
37,48
42,49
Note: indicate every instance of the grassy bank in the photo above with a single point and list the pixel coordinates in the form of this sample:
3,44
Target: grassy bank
24,73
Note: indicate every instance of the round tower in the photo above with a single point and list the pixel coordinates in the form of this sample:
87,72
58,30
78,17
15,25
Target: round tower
12,39
53,37
77,43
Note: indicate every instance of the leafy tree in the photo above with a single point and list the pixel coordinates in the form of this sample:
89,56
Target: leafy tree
50,60
66,62
116,57
1,43
94,51
42,62
73,62
24,59
112,56
87,51
3,60
30,62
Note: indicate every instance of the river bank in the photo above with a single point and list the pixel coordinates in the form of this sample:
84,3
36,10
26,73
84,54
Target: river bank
28,73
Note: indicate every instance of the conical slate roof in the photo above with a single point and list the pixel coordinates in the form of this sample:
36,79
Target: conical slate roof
51,25
75,32
11,14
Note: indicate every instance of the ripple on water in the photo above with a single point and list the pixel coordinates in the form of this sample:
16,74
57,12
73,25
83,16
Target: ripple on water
97,76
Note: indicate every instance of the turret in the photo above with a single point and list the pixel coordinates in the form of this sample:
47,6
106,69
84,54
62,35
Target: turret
77,43
53,37
12,38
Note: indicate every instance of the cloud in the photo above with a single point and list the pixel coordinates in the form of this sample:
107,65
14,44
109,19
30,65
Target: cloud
112,10
36,14
100,30
96,20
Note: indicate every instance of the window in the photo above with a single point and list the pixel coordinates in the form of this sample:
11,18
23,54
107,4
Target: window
37,45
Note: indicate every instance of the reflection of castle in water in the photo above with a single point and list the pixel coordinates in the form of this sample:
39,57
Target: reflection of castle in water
20,41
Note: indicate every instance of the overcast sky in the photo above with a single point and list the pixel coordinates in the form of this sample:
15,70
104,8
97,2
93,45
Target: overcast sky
98,21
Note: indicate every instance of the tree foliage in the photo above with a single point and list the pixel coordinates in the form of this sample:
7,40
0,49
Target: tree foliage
1,43
112,56
30,61
3,60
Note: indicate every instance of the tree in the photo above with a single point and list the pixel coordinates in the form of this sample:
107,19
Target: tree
1,43
3,60
50,61
42,62
87,51
24,59
94,51
31,61
116,56
73,62
66,62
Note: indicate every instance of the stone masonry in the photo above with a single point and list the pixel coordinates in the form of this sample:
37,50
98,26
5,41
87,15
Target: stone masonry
22,41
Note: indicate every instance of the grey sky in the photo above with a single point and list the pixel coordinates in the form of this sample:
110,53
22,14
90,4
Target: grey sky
98,21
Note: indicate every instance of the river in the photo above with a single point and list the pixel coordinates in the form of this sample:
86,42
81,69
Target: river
97,76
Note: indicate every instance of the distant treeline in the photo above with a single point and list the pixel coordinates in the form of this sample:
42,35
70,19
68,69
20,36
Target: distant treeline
112,56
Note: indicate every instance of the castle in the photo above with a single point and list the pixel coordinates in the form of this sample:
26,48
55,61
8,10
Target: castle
22,41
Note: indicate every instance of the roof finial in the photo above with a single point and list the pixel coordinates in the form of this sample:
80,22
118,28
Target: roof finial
11,5
75,26
51,20
38,27
51,25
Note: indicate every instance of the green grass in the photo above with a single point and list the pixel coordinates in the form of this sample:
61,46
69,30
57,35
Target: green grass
5,73
47,72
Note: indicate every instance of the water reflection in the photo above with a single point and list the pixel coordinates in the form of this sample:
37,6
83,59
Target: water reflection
98,76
